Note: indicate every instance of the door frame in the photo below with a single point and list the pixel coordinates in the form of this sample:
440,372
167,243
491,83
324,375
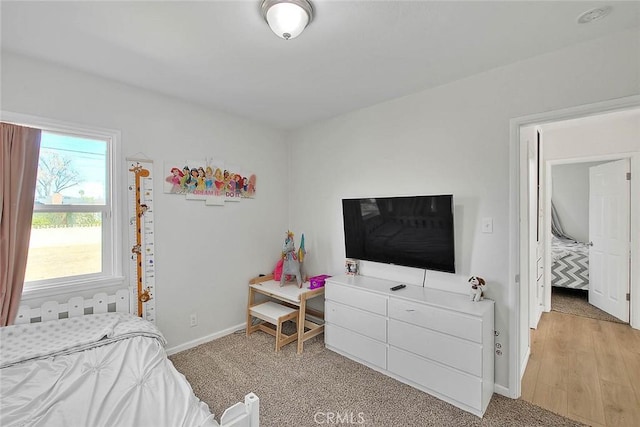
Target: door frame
519,343
547,209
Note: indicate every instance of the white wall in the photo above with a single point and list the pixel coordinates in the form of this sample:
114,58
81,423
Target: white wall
450,139
204,255
570,195
593,136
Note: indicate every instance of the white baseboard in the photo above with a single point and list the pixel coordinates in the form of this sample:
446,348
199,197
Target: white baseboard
205,339
525,361
502,390
539,315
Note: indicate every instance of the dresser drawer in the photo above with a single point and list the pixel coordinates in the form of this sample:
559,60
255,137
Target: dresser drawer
445,321
369,350
363,322
460,354
363,300
439,379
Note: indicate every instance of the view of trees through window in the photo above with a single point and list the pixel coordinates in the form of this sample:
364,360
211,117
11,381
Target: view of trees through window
70,204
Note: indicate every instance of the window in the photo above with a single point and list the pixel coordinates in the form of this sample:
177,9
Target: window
75,233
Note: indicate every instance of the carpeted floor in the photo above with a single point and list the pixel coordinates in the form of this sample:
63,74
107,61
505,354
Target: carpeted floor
320,387
576,302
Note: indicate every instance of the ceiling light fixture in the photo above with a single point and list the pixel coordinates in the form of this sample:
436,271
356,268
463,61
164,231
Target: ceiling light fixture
287,18
594,14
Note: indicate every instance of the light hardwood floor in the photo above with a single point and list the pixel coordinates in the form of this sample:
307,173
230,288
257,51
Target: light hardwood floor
585,369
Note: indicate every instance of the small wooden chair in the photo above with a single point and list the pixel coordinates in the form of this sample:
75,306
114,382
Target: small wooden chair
274,314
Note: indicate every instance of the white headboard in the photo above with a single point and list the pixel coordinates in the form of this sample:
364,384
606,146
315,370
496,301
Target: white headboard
76,306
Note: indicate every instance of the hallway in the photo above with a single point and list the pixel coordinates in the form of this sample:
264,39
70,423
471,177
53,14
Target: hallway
585,369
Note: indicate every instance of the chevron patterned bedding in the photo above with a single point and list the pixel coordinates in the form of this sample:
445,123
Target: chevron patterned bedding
570,264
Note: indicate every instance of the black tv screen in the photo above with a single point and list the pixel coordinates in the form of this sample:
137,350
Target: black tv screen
413,231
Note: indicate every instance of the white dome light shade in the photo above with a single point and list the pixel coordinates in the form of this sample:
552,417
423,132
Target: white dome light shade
287,18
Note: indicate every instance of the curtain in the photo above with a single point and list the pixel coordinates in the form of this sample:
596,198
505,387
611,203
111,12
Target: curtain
19,151
556,226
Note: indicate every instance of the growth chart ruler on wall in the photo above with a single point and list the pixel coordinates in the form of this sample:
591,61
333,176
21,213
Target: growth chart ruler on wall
141,238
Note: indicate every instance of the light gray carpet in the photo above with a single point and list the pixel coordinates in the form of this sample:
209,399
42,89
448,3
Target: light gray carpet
576,302
304,390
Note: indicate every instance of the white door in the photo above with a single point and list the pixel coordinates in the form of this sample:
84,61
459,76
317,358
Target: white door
609,235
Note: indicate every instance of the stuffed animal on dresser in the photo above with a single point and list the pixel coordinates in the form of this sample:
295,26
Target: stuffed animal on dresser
477,288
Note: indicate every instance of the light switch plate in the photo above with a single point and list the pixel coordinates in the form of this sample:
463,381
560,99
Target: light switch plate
487,225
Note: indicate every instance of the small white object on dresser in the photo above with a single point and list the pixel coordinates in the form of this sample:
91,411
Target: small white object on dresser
436,341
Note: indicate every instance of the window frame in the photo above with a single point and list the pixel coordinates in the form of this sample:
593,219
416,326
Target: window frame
112,214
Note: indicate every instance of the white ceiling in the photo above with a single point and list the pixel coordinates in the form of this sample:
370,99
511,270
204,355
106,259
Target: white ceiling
221,54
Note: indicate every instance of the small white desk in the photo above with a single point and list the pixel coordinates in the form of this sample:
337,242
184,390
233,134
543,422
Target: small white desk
292,296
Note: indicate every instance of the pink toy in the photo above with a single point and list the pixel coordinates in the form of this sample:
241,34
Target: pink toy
277,271
317,281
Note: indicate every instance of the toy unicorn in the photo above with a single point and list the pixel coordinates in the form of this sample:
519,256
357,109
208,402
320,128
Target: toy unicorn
292,261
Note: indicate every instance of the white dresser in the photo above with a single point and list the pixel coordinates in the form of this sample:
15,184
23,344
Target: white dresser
439,342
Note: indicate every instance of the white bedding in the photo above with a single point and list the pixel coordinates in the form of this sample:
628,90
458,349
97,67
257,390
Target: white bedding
101,370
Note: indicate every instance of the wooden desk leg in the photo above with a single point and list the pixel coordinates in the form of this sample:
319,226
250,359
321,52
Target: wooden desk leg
249,304
301,319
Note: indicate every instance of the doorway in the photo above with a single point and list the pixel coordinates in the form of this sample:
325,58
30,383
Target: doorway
522,219
581,274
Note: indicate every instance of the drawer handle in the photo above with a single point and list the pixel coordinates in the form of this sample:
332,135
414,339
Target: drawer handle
409,310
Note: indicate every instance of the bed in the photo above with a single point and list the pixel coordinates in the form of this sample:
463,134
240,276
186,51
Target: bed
569,263
103,369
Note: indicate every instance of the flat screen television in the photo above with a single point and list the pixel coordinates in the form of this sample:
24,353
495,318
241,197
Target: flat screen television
413,231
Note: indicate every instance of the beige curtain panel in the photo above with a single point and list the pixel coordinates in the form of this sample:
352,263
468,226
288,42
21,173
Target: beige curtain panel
19,151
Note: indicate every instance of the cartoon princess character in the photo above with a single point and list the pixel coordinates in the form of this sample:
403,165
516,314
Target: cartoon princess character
251,190
186,177
200,186
231,187
208,179
218,181
174,179
193,181
238,180
245,185
226,179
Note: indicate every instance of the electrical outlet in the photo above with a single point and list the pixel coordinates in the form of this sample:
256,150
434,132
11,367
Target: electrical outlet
193,320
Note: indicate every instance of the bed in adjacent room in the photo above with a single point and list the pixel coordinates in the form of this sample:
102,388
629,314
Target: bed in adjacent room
569,257
569,263
107,369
